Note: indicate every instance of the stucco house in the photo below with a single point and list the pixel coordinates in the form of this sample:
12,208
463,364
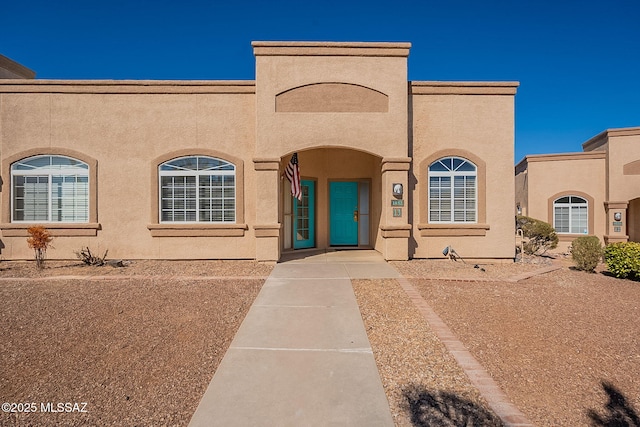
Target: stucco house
196,169
593,192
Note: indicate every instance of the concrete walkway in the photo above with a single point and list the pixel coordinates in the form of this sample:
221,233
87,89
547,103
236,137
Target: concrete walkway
301,356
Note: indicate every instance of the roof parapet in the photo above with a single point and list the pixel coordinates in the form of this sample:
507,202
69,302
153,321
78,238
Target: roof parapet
603,137
127,86
282,48
463,88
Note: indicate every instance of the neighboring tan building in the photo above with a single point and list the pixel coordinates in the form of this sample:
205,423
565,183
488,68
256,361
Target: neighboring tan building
12,70
595,192
195,169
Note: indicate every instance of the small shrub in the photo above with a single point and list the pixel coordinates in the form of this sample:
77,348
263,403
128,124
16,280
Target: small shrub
540,236
623,259
39,241
586,252
88,258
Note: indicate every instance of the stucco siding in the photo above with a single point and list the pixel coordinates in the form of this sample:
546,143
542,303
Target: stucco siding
624,150
606,174
566,175
125,132
481,125
380,133
347,110
522,192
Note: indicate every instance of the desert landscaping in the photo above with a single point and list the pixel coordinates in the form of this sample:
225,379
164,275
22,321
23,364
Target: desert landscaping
139,344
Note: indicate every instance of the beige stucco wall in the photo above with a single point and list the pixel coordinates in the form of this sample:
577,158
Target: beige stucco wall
608,172
623,186
347,109
474,121
522,189
125,126
618,178
624,150
552,176
313,95
281,67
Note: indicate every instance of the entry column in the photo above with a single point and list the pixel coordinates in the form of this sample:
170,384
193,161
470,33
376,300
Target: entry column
616,222
267,227
394,222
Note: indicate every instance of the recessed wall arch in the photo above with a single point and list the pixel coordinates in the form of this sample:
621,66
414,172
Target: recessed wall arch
631,168
455,229
590,212
57,229
346,146
331,97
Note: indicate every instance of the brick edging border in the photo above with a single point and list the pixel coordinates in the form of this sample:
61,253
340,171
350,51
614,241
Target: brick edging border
510,415
512,279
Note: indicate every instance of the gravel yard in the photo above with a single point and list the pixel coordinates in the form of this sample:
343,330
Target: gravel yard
138,350
148,268
417,372
140,344
554,343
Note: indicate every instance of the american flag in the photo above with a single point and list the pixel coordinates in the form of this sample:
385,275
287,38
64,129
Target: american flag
293,175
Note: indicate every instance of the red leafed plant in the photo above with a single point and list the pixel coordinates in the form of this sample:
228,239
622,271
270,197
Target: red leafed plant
39,241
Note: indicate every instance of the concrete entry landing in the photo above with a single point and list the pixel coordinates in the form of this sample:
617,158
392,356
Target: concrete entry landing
301,356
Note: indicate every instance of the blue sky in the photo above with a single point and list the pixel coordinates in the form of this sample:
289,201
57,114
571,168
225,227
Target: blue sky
578,62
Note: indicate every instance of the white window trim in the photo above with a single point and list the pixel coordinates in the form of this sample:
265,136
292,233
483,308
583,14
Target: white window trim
570,205
50,172
197,174
452,174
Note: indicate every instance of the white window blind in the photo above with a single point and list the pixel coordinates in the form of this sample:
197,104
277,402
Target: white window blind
197,189
50,189
570,215
452,191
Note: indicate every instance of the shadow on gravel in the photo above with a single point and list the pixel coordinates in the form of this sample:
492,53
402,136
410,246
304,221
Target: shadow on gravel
610,274
440,408
618,411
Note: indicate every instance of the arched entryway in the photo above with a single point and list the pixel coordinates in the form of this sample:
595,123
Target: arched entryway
340,202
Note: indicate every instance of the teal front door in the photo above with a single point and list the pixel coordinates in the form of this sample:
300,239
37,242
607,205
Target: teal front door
304,216
343,213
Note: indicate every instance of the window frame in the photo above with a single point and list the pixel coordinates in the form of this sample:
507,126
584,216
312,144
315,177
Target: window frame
49,172
567,237
459,229
57,229
196,229
571,205
452,172
198,174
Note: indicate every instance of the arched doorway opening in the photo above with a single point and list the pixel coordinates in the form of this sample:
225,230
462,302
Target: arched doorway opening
340,201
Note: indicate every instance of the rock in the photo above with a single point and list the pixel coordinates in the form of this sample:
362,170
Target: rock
117,263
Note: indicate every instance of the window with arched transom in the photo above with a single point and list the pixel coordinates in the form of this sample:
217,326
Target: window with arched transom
50,188
571,215
197,189
453,191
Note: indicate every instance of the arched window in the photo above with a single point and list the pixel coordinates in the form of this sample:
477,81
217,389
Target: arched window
197,189
50,189
570,215
452,191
